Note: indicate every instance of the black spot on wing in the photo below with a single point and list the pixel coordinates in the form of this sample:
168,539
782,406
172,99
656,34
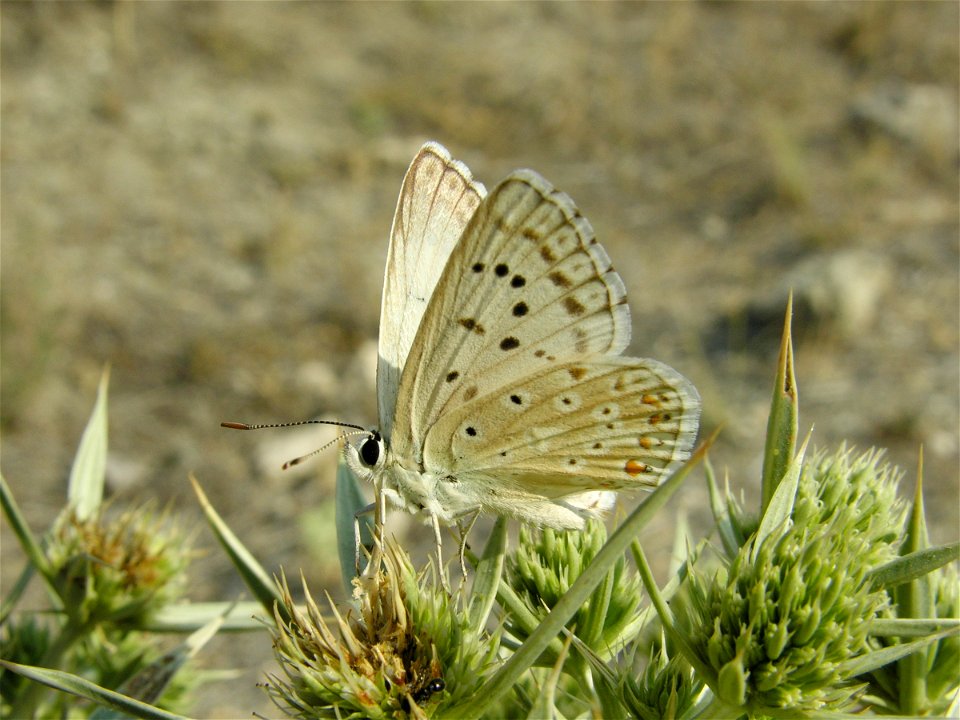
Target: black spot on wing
472,325
573,306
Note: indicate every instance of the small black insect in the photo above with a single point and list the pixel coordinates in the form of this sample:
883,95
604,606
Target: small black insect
433,687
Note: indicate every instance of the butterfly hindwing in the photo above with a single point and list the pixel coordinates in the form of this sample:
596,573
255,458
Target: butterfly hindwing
437,200
608,423
525,289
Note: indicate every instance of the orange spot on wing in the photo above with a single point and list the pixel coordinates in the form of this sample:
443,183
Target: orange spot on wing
634,468
650,400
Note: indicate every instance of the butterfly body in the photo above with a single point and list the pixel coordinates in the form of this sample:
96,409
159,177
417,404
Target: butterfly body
506,392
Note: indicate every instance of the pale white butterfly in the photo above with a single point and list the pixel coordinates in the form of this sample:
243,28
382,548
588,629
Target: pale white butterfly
500,383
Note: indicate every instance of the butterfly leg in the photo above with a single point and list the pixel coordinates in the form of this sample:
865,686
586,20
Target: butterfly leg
357,536
464,531
379,507
435,521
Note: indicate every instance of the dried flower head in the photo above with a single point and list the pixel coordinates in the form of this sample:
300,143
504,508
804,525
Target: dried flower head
409,652
118,570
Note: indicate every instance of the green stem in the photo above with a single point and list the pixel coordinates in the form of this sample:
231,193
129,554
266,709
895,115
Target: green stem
915,600
16,592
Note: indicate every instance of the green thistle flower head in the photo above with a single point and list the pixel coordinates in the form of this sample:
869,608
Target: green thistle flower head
409,653
856,495
667,688
117,571
547,562
778,624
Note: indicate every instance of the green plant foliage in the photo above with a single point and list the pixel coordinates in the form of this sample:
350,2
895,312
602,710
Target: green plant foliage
818,597
108,575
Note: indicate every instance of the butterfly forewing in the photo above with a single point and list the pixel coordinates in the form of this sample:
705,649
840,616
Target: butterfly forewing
526,288
437,200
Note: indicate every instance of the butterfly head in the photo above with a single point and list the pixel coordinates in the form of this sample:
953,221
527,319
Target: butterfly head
367,457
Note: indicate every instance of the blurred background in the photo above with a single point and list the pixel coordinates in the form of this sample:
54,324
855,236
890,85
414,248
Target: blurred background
199,194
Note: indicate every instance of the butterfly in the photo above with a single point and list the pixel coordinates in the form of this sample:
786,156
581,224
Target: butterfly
500,384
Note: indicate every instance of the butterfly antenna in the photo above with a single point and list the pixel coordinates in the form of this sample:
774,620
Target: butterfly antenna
245,426
298,460
354,430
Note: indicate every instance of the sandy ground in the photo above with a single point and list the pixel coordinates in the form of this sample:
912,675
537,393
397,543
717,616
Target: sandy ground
200,195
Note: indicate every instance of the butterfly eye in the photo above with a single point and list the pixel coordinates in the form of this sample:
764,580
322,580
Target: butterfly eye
370,450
